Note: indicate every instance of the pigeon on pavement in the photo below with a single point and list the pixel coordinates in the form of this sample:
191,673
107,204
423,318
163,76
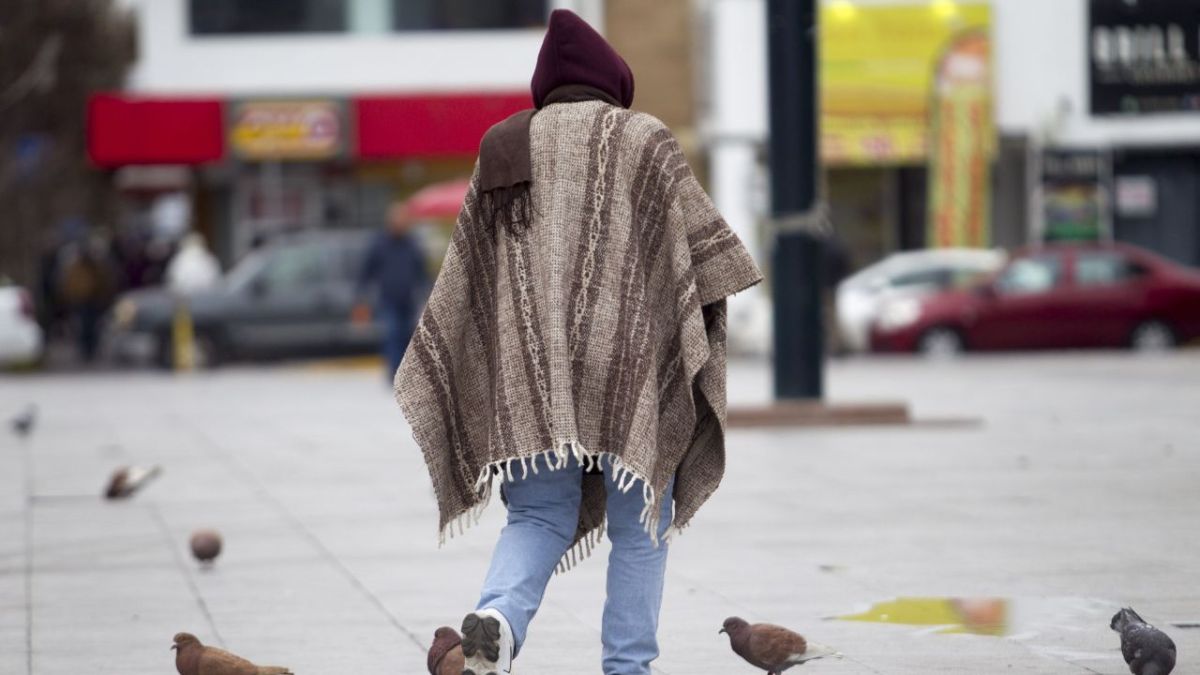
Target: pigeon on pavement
1146,649
129,479
22,425
445,654
193,658
206,545
772,648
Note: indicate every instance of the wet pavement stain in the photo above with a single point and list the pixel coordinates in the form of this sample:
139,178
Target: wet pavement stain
978,616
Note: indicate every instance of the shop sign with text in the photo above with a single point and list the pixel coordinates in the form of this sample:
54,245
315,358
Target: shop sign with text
286,130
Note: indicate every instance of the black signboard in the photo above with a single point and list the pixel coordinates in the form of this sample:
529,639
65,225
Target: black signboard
1144,56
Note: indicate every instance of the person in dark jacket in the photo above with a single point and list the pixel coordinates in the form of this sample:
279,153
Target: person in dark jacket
394,270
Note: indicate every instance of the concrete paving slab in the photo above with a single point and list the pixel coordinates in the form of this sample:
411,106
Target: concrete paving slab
1077,491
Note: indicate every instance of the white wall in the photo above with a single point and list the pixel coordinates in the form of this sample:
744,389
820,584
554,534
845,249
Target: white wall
174,62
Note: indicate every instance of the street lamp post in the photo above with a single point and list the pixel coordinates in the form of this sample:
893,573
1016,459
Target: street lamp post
796,259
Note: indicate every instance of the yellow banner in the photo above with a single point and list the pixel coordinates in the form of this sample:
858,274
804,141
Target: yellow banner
962,136
878,69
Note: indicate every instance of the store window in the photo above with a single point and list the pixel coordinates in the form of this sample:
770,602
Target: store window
468,14
242,17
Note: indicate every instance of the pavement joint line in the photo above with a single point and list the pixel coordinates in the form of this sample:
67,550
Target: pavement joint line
185,570
28,457
253,480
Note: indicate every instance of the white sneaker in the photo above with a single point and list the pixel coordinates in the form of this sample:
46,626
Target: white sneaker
487,643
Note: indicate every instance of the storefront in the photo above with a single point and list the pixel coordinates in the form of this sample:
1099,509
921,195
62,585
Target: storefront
255,168
1144,65
907,130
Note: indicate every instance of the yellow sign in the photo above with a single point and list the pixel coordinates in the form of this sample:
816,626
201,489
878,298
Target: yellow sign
286,130
878,69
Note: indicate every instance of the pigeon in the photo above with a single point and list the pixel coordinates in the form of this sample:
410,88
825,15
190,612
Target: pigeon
1146,649
22,425
193,658
129,479
772,648
445,654
206,545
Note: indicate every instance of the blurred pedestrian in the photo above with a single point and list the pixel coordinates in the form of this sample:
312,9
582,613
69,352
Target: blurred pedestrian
86,286
574,345
193,268
394,273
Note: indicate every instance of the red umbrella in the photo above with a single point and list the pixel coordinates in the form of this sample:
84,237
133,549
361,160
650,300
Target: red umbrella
440,200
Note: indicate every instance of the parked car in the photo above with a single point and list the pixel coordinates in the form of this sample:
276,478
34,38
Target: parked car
910,274
293,297
1057,297
21,339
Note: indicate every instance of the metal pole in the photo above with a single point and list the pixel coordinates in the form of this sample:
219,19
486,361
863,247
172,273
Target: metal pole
796,259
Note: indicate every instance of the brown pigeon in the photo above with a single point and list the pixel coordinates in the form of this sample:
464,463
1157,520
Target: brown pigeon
206,545
193,658
445,654
129,479
772,648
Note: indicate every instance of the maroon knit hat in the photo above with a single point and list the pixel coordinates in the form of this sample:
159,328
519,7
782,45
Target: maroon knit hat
574,53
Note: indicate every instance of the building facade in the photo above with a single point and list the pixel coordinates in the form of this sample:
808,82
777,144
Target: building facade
1094,130
247,119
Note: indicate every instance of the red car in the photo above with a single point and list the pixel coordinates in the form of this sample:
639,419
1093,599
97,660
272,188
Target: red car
1055,297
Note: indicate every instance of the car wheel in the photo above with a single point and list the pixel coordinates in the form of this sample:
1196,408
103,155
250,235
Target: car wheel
941,343
1152,336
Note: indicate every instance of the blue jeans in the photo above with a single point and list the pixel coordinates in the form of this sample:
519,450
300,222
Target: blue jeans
543,512
398,326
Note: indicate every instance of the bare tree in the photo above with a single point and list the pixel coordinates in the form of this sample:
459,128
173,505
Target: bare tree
53,55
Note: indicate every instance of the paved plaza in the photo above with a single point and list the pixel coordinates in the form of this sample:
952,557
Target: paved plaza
1077,491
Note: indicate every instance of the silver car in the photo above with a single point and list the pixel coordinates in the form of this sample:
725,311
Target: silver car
862,296
294,297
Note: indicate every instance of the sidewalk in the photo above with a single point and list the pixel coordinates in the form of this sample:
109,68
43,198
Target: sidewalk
1080,489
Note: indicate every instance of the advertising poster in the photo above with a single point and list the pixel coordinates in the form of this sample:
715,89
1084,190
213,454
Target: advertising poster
1074,194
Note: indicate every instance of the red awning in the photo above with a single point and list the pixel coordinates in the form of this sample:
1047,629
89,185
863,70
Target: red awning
443,125
127,130
124,130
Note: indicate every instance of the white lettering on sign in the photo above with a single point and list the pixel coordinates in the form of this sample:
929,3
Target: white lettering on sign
1132,46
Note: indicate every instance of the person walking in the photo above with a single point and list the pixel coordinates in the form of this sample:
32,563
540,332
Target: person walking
573,348
395,265
87,286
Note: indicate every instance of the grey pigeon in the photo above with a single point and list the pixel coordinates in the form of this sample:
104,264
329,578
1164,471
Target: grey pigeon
127,480
205,545
446,654
193,658
772,648
1146,649
22,425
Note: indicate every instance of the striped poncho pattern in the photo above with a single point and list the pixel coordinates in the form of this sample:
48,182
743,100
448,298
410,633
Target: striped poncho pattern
596,333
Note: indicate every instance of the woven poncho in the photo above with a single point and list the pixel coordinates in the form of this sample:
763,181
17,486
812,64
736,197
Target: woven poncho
598,332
